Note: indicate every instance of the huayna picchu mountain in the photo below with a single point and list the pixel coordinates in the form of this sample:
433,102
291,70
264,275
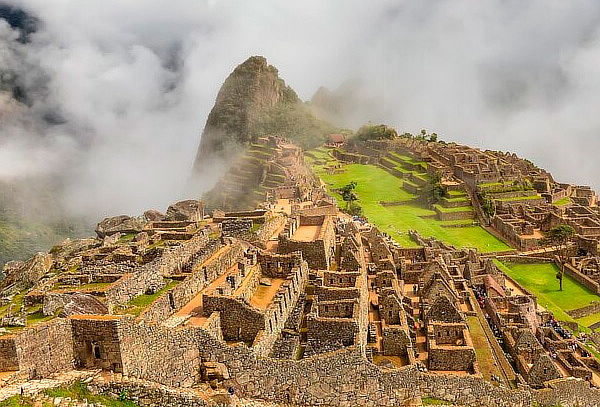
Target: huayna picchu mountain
253,104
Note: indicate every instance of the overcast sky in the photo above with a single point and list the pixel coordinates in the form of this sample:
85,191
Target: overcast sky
133,81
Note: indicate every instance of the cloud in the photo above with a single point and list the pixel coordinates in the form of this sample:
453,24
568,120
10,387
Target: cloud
128,85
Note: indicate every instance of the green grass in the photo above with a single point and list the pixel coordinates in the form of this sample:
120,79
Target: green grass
432,401
483,351
21,401
139,303
518,198
456,193
540,280
453,210
563,201
458,199
80,391
375,184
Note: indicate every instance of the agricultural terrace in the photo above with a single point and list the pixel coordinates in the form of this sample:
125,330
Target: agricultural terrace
540,280
376,186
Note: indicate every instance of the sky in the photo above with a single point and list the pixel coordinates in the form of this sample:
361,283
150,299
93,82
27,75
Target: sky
128,85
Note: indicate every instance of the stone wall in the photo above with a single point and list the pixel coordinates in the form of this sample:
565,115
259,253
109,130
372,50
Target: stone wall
175,298
131,285
9,359
45,348
96,342
239,321
268,229
590,309
581,278
162,355
343,378
395,340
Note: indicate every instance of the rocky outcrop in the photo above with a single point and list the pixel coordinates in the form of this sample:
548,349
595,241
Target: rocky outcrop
253,87
21,275
190,210
119,224
152,215
73,304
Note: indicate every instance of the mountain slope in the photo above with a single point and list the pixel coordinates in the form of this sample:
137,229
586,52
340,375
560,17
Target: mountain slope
253,102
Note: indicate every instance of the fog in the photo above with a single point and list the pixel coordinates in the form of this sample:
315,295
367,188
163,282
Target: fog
119,91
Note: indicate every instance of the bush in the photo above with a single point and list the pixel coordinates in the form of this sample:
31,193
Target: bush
376,132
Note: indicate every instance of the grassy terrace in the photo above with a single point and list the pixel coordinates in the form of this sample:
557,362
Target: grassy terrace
141,302
375,185
540,280
483,351
563,201
452,210
519,198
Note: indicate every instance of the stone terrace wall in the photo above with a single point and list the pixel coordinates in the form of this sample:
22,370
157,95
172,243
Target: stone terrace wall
176,258
590,309
166,305
159,354
9,360
46,348
582,278
132,285
267,230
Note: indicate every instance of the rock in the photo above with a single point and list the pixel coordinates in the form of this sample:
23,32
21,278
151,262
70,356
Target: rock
13,320
190,210
84,304
152,215
21,275
265,281
251,89
73,304
119,224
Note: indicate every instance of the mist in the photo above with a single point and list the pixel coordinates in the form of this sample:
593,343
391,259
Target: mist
118,91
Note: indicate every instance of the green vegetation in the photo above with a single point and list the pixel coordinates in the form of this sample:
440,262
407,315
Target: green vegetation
483,351
519,198
375,186
432,401
20,239
453,210
80,391
21,401
139,303
376,132
540,279
563,201
294,121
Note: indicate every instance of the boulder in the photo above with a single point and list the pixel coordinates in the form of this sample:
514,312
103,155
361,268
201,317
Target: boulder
152,215
190,210
83,304
119,224
21,275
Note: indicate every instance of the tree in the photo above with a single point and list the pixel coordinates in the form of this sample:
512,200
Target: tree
376,132
434,191
560,236
348,194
